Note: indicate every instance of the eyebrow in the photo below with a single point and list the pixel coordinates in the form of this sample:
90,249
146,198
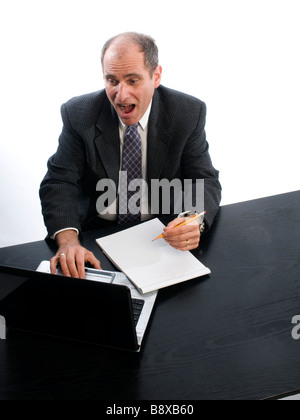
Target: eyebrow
127,76
133,75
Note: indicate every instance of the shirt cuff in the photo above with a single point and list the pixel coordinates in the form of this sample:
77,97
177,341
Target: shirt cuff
62,230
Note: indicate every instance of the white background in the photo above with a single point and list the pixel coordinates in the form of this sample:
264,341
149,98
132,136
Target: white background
240,56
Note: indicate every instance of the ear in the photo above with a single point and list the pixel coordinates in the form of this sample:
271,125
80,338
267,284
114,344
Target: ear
157,76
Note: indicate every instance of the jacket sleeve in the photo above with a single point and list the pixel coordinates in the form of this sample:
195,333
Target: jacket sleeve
59,189
197,164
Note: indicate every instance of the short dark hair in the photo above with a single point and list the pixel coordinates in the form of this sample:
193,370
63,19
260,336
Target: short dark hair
145,42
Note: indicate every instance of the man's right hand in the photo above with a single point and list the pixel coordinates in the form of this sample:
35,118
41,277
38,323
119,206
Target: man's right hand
72,256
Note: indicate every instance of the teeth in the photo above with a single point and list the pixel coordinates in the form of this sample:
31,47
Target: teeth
123,107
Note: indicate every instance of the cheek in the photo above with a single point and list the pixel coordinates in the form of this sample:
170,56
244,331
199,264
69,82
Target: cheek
146,95
111,94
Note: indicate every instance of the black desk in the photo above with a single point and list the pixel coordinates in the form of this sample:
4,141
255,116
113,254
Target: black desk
226,337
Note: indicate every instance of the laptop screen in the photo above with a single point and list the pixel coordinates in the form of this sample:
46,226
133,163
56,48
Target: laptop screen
75,309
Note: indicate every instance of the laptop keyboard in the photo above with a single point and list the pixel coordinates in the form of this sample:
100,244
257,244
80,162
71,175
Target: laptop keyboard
137,306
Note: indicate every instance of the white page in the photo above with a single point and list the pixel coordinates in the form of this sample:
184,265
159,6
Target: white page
150,265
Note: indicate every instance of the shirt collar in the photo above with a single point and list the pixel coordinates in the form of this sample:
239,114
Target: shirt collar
143,121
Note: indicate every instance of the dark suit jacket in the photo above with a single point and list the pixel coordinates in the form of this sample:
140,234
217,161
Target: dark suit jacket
89,150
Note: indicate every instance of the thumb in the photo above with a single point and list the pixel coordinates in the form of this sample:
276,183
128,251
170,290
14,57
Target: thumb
174,223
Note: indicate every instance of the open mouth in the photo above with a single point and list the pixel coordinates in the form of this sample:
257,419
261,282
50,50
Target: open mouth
126,108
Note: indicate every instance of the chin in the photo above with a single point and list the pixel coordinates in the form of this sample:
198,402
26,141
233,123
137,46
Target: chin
129,122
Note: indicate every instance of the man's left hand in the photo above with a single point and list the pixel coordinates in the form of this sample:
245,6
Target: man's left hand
184,238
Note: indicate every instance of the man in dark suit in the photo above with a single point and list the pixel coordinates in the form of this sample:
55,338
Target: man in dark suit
169,132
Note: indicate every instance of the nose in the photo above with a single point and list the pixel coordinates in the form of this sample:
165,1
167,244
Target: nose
123,93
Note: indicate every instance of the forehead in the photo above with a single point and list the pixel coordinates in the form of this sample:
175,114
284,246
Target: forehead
124,58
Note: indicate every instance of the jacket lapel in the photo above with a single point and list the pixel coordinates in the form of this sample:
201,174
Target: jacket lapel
108,142
158,138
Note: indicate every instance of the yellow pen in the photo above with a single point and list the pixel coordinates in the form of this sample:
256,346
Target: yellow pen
183,224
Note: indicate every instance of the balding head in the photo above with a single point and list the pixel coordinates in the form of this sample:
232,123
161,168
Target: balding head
145,43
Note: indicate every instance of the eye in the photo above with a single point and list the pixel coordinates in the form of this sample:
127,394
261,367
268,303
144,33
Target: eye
133,81
112,82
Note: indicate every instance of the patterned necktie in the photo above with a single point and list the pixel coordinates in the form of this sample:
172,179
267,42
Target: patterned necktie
130,201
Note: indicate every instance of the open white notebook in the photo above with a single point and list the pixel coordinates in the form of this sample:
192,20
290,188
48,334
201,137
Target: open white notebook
150,265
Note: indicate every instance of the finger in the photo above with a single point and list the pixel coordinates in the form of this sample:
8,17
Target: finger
185,246
85,256
188,243
192,237
90,257
74,258
80,264
183,230
174,223
183,239
53,263
170,229
63,265
77,266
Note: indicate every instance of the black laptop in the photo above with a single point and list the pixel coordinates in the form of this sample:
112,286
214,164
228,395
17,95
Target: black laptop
75,309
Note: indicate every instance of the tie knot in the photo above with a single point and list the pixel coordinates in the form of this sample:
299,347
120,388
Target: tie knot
133,127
